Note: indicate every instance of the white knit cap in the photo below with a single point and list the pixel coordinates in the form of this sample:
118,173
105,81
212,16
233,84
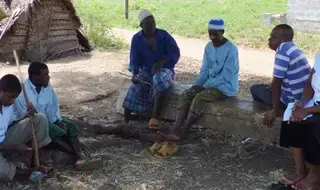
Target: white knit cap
144,14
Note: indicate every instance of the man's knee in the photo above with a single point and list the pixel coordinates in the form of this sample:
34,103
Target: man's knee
41,121
197,100
39,117
253,89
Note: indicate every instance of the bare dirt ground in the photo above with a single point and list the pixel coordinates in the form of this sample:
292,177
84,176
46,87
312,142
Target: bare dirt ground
206,163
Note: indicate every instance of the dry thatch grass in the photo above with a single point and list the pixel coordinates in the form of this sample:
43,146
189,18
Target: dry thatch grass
204,163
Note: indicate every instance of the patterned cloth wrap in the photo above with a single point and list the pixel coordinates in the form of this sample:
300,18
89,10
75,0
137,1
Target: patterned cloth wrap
139,98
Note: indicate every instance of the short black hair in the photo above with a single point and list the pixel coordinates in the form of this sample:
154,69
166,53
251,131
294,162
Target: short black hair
35,68
286,31
10,83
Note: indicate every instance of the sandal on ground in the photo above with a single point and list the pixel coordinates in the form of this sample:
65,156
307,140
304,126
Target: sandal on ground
166,151
149,152
90,164
279,186
155,147
154,124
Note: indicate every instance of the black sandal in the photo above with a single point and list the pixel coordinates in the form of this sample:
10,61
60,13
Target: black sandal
279,186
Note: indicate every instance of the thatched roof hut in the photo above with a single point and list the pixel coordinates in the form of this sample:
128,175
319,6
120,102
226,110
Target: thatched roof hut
40,30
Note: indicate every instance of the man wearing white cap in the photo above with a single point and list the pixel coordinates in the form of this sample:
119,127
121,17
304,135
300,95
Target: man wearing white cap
153,56
218,79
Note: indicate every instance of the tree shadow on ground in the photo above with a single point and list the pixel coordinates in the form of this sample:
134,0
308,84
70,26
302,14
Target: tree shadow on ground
200,165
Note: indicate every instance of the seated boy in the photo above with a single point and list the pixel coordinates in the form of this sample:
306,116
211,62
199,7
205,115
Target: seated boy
15,134
44,99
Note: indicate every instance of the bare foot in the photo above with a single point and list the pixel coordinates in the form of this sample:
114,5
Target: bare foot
286,181
308,183
81,161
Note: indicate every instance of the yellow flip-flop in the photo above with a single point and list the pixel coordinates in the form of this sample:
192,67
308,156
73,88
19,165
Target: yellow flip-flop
166,151
149,152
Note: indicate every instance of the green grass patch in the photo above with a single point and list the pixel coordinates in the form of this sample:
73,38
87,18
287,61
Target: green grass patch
243,18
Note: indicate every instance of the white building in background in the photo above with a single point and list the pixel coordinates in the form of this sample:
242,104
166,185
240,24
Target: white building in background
304,15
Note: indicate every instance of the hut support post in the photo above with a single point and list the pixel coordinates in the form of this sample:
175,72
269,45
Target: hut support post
126,2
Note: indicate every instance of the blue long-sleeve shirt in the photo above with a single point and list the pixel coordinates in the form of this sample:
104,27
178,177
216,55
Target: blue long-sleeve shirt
46,102
143,58
220,68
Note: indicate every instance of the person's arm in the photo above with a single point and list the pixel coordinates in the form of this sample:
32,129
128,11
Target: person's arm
281,66
134,65
204,71
308,91
54,110
230,68
172,50
276,94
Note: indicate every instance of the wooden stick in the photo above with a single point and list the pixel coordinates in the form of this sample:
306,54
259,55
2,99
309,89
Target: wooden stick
34,136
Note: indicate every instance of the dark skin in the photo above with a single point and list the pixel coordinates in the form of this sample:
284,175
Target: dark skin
148,26
217,39
42,80
277,37
306,178
7,99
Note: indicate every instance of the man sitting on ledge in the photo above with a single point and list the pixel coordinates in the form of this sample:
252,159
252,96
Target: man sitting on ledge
218,79
153,56
291,72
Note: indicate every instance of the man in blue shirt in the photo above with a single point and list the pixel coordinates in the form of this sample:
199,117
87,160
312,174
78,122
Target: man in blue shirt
290,74
218,79
153,56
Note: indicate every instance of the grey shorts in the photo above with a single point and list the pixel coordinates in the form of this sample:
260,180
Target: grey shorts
21,133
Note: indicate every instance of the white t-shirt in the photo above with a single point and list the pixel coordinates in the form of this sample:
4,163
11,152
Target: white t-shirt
315,82
5,120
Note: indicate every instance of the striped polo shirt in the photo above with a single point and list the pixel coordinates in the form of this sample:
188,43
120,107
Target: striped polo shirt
292,66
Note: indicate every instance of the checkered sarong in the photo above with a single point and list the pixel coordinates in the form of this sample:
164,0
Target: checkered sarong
139,98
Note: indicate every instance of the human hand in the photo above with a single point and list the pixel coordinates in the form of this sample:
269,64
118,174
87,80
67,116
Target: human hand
62,126
269,117
21,148
195,90
134,79
30,110
298,114
159,65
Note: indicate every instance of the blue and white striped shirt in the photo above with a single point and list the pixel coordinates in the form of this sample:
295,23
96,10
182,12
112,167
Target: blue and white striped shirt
292,66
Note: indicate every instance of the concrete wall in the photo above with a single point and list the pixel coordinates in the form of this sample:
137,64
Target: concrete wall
304,15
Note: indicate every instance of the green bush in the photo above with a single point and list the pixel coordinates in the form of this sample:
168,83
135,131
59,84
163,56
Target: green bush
96,24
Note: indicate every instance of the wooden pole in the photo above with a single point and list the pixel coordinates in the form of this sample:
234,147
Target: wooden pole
34,137
126,9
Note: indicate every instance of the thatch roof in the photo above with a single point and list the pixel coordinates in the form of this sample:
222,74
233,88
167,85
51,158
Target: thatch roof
14,8
41,30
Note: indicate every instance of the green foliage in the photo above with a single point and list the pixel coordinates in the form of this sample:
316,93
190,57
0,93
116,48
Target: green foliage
96,24
243,18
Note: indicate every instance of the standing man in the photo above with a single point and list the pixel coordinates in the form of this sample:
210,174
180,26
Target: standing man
14,134
218,79
290,74
153,56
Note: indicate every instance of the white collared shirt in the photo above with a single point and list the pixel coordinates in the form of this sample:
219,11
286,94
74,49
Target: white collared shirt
6,118
46,102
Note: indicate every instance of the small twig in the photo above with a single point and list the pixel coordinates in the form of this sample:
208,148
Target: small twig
99,97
